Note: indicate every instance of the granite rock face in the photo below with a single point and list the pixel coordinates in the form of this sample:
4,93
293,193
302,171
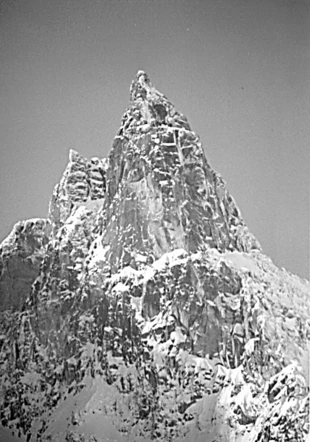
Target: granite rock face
148,310
21,255
161,190
82,181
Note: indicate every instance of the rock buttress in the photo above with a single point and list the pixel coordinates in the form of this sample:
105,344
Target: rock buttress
161,192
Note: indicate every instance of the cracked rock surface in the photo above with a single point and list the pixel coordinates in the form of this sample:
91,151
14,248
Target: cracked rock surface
143,308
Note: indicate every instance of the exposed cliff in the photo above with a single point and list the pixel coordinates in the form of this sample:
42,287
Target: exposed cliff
21,255
151,312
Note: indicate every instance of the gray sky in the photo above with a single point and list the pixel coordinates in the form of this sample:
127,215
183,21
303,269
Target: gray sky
237,69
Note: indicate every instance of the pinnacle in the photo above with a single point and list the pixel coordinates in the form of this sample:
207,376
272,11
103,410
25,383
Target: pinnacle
73,154
140,73
140,86
149,108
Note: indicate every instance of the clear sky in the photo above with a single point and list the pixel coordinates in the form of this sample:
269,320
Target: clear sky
238,69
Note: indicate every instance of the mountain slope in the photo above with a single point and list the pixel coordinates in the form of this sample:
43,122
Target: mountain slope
153,313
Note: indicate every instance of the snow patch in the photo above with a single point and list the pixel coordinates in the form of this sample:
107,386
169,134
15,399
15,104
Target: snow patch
89,414
126,274
177,336
241,262
121,288
92,204
169,259
98,252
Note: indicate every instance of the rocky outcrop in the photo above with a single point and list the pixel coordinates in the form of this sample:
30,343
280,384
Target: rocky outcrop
151,312
82,181
21,255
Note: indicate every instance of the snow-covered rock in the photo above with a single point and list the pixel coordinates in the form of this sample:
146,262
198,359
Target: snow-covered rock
144,308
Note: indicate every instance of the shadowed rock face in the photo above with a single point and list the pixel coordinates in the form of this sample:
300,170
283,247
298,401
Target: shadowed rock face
144,309
21,254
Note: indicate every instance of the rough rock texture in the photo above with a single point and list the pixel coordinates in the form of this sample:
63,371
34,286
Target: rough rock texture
21,254
82,181
151,312
161,192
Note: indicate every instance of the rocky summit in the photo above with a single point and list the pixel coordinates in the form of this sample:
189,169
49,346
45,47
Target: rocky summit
143,308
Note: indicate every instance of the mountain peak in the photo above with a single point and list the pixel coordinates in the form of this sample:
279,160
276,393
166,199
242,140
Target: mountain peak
158,164
140,83
157,189
142,88
145,288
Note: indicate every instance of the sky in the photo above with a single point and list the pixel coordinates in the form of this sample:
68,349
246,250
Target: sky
238,69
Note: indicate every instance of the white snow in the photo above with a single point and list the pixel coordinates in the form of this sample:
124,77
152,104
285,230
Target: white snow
177,336
249,346
92,204
241,261
126,273
158,322
140,258
244,399
193,362
136,303
98,252
88,406
120,287
177,256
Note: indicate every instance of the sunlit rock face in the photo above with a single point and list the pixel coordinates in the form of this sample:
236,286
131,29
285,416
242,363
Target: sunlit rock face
161,192
82,181
143,308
